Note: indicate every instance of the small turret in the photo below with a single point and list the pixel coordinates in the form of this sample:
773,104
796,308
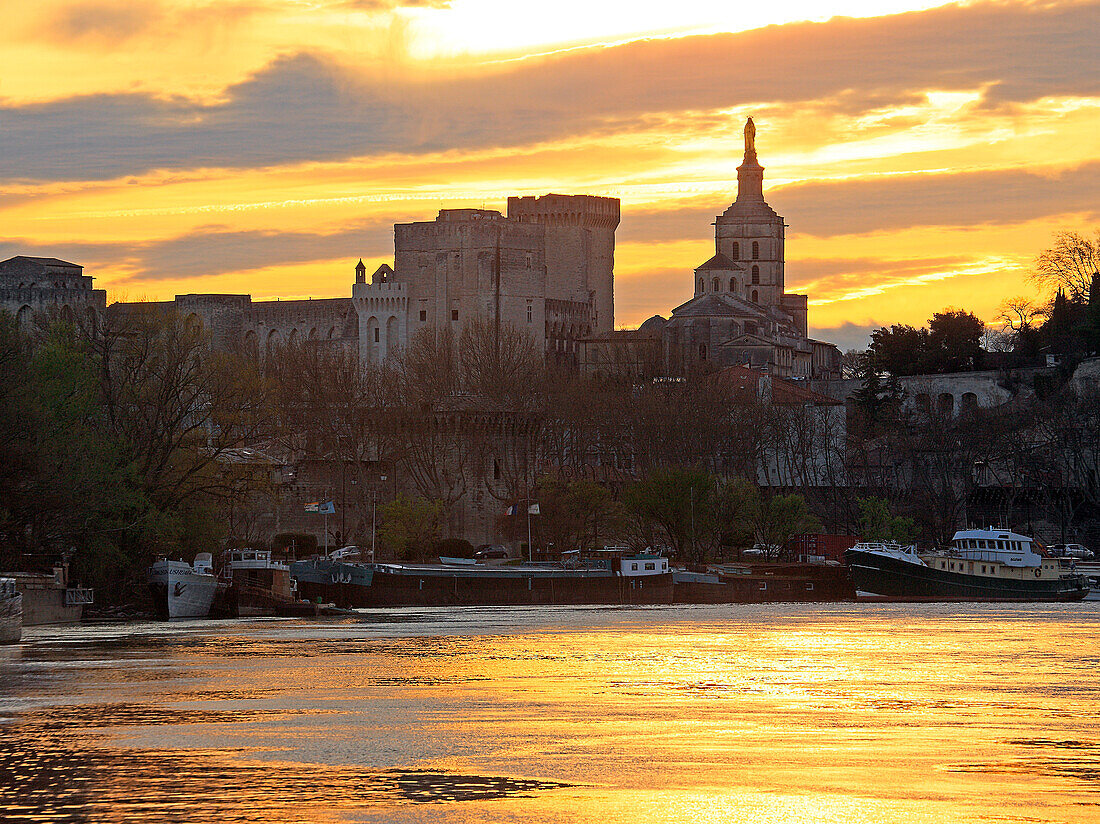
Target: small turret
360,272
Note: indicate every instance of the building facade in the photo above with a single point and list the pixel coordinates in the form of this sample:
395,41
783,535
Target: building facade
31,286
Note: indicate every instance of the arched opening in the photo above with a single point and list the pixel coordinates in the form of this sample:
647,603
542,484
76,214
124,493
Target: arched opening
372,339
715,284
331,332
391,335
755,296
24,317
67,314
736,250
292,338
193,323
755,250
272,340
91,321
755,275
733,284
945,404
313,333
702,288
251,344
968,402
924,403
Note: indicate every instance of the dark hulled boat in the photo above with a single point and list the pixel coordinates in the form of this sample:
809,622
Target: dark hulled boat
256,585
981,565
603,577
764,583
332,581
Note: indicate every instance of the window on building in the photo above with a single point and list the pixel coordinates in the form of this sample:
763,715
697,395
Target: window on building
454,314
715,284
702,288
755,275
529,311
702,351
423,314
527,260
376,334
496,469
733,284
755,250
755,296
736,250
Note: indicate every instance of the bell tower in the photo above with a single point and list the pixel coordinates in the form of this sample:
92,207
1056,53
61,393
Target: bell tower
751,234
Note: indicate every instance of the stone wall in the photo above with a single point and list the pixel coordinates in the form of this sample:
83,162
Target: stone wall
949,394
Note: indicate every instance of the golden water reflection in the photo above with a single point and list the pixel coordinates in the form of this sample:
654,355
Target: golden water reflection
812,713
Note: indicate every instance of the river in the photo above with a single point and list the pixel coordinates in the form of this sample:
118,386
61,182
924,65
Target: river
773,713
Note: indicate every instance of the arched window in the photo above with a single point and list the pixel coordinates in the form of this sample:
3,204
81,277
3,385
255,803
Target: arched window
733,284
736,250
755,296
715,284
755,250
702,288
755,275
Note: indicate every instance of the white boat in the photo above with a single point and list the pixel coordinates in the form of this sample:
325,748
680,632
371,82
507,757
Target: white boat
11,612
182,590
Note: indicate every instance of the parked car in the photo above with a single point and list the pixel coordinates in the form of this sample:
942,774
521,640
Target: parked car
491,552
1070,551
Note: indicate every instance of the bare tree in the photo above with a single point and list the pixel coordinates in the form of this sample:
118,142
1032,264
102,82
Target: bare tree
1069,264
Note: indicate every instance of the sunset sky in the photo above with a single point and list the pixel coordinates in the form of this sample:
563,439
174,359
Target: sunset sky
921,153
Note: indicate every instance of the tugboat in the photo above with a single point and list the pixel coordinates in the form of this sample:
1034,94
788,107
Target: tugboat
256,585
181,590
980,565
11,612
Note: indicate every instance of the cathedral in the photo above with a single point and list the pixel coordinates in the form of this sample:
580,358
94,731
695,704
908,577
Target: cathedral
740,314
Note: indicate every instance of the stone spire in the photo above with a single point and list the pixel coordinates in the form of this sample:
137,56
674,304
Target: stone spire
750,174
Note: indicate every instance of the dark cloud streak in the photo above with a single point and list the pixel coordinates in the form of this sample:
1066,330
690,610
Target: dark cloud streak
301,108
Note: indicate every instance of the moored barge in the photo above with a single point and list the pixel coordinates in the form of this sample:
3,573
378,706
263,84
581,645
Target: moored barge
981,565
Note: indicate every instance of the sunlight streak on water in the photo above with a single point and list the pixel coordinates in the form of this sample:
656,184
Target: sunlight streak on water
779,713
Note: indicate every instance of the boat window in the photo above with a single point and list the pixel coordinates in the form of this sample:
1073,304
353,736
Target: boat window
633,567
651,566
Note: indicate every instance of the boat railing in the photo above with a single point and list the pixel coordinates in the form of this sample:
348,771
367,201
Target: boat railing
79,596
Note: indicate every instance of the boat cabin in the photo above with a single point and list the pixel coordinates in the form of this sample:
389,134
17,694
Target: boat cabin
249,559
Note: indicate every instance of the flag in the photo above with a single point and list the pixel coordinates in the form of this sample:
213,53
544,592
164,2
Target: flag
313,507
327,508
533,509
511,510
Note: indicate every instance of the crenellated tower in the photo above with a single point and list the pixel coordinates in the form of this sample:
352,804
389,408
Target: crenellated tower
580,248
383,308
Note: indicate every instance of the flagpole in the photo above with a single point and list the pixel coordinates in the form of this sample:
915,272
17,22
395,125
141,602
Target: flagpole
527,502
